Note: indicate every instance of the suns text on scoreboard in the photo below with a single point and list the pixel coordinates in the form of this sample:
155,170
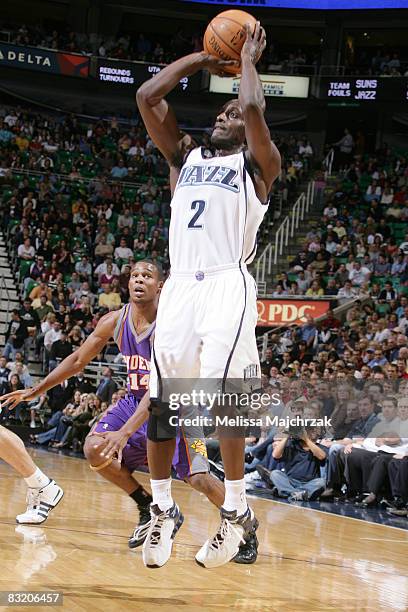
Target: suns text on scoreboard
359,89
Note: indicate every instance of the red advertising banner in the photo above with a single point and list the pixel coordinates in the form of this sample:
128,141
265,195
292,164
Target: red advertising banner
289,312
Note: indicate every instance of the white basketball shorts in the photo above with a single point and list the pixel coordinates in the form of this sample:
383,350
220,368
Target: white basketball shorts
205,327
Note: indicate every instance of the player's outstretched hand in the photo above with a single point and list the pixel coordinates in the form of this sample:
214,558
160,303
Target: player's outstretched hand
217,66
255,42
11,400
113,443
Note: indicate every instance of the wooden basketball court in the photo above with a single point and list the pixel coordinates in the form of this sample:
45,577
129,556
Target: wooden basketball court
308,560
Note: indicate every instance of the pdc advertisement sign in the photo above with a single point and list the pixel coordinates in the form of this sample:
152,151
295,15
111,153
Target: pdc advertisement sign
118,72
43,60
273,85
289,312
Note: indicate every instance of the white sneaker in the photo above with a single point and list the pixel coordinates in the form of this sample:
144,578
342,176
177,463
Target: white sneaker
159,540
224,546
33,425
40,502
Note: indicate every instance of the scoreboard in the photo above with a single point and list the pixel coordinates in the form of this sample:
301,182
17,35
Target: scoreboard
133,74
370,89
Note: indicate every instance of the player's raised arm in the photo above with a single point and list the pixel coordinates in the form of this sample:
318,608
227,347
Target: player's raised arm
71,365
263,154
157,115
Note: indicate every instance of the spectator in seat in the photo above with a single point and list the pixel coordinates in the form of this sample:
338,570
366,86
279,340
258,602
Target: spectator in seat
379,359
367,461
26,250
108,277
38,291
122,252
30,316
82,383
102,250
60,395
16,335
308,331
7,415
22,372
44,307
84,269
346,293
102,268
108,298
388,293
339,448
37,268
59,350
359,274
301,458
125,220
119,171
86,293
330,211
4,374
382,267
107,386
51,336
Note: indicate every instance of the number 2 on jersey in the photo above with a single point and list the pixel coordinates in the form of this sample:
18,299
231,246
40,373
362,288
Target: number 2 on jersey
198,206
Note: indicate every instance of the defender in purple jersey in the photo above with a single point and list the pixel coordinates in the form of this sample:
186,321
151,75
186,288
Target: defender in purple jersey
136,350
132,328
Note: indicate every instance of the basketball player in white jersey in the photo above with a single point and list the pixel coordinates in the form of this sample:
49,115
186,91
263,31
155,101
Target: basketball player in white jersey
207,314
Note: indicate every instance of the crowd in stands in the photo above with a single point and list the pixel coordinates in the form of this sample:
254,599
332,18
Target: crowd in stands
155,48
384,63
97,199
80,204
353,370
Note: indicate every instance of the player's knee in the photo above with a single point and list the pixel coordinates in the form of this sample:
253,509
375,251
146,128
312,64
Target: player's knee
92,450
200,482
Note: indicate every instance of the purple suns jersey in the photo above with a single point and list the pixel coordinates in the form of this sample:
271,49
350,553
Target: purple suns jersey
136,351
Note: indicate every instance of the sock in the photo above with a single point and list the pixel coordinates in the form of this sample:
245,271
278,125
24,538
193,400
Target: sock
141,496
161,491
38,480
235,497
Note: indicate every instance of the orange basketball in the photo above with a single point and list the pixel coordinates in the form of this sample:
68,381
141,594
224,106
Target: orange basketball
225,36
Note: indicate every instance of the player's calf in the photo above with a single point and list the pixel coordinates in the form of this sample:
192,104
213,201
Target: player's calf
122,477
209,486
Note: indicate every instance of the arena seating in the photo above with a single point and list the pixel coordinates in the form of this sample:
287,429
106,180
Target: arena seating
83,193
81,201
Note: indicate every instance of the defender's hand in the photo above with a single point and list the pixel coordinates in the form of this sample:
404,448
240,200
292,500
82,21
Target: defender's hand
254,44
113,443
11,400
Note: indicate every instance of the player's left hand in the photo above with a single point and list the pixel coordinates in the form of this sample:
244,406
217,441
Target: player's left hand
217,66
255,42
11,400
113,443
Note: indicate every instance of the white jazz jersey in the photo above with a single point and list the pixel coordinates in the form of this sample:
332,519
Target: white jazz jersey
207,313
215,213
